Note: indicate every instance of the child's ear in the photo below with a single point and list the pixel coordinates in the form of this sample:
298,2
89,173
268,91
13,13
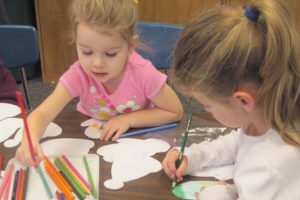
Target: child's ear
134,42
246,99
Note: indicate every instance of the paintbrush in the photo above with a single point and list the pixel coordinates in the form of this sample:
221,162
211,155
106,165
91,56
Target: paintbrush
179,160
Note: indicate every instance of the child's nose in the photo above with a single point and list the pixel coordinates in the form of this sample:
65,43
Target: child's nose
99,62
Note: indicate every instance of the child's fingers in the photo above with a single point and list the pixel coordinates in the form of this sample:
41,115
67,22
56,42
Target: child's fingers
110,133
104,133
39,155
169,164
117,135
181,169
24,157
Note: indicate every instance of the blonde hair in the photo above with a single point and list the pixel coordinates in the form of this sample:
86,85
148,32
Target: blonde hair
222,48
117,15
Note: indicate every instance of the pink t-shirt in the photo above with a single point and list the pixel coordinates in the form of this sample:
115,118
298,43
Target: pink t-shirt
141,82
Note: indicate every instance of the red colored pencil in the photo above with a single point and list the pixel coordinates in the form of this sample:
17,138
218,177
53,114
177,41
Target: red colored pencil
24,117
57,195
1,159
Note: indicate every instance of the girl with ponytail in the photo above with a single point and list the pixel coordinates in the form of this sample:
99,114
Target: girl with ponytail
242,64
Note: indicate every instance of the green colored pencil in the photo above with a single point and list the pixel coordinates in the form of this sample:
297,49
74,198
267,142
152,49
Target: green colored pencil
59,164
89,175
178,162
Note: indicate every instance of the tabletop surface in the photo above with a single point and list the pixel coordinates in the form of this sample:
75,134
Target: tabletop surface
153,186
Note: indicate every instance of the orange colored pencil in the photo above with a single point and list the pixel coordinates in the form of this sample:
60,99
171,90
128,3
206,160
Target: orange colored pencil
22,184
58,182
79,181
48,162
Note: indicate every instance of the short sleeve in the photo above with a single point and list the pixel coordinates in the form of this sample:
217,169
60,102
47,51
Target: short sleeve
152,80
74,79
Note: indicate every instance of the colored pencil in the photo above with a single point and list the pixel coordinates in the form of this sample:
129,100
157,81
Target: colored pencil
77,175
18,185
44,181
26,183
58,182
89,175
15,185
62,196
178,162
7,174
77,182
57,195
70,177
24,117
55,171
22,184
7,189
148,130
1,160
74,189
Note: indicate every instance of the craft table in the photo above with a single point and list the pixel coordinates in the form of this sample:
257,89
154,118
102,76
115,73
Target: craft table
155,186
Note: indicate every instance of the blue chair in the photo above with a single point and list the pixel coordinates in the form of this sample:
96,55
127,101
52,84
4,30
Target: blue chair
18,48
161,39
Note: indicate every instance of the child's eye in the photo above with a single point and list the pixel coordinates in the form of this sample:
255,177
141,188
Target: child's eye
110,54
87,53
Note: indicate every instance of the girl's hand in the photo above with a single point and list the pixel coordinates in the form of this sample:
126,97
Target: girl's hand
23,154
169,165
114,128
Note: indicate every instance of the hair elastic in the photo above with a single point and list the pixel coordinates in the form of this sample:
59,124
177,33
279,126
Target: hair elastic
252,16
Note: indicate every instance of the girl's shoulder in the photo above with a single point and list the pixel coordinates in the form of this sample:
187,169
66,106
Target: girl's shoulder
136,61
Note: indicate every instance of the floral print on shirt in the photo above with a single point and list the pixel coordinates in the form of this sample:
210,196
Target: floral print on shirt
105,110
129,106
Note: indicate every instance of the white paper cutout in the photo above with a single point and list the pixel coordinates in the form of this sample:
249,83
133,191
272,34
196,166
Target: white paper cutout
224,172
16,140
131,159
52,130
10,125
113,184
94,128
8,110
69,146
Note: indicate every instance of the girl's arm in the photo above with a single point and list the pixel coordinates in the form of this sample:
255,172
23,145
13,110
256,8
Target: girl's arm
38,121
46,112
168,108
219,152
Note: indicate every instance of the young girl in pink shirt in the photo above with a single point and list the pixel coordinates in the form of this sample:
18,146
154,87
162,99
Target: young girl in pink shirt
112,81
